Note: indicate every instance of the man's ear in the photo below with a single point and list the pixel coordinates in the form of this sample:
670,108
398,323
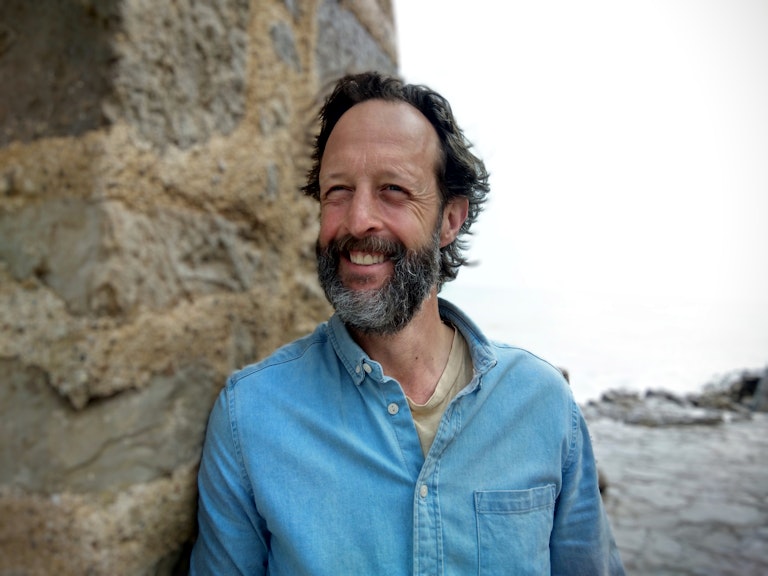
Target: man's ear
454,214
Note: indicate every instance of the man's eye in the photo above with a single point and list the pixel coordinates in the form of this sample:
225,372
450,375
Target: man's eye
333,191
394,188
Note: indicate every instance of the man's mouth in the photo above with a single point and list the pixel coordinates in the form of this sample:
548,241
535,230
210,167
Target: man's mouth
366,258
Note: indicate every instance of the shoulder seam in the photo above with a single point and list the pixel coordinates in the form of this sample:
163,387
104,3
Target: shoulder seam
272,360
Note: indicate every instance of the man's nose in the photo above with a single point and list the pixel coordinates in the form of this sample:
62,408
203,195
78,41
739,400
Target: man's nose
363,215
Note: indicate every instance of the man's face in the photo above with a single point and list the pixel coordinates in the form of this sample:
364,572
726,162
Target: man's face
381,224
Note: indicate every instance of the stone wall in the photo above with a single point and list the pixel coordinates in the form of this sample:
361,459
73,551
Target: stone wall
152,239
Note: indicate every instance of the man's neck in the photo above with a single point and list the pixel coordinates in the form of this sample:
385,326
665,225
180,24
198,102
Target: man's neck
415,356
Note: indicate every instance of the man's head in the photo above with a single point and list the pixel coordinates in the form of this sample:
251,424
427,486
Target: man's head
459,173
391,208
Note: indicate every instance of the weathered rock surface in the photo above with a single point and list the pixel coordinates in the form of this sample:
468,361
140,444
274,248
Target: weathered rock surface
153,238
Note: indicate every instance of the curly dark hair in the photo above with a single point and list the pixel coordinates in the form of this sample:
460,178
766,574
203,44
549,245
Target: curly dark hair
459,173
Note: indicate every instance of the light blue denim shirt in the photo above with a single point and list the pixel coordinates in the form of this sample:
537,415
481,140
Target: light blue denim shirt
312,466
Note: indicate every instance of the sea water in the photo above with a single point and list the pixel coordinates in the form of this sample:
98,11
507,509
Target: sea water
611,341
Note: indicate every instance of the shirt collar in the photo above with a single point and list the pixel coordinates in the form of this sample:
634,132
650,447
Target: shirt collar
355,360
483,357
359,365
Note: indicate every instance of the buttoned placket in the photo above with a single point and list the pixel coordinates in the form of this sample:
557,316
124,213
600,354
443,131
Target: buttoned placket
397,413
428,556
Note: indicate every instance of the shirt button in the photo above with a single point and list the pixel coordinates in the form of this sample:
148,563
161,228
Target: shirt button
357,369
423,491
367,368
393,408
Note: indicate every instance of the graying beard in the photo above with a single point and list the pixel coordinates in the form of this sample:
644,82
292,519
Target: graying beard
386,310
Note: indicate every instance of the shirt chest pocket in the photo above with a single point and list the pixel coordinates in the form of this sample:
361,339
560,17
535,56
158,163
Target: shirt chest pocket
513,529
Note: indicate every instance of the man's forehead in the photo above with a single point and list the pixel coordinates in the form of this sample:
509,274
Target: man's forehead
397,112
382,123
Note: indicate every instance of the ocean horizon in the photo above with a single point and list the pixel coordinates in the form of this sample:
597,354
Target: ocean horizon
612,341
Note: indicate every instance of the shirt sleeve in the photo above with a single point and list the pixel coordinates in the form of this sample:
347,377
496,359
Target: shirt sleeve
232,537
581,542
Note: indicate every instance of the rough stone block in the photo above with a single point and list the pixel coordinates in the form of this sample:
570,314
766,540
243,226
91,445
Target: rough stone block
345,45
134,437
103,259
176,71
56,61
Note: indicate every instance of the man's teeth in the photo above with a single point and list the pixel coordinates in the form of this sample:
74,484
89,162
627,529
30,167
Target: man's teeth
366,259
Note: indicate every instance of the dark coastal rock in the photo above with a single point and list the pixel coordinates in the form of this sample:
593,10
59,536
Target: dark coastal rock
738,391
760,398
652,409
733,397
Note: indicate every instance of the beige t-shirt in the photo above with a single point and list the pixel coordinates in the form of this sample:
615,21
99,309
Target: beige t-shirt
457,374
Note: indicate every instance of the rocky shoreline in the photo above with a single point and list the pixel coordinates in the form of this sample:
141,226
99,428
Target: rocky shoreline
736,396
684,478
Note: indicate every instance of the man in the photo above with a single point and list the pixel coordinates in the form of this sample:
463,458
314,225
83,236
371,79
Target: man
396,439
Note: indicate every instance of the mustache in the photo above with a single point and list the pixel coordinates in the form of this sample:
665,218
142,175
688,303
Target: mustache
346,244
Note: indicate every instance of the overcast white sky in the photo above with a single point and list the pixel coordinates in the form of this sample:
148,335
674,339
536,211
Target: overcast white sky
627,139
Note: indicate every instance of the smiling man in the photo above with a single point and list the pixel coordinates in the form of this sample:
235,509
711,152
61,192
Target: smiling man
396,439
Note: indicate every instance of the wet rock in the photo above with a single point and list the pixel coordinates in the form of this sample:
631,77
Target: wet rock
687,500
688,490
733,397
760,399
736,391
